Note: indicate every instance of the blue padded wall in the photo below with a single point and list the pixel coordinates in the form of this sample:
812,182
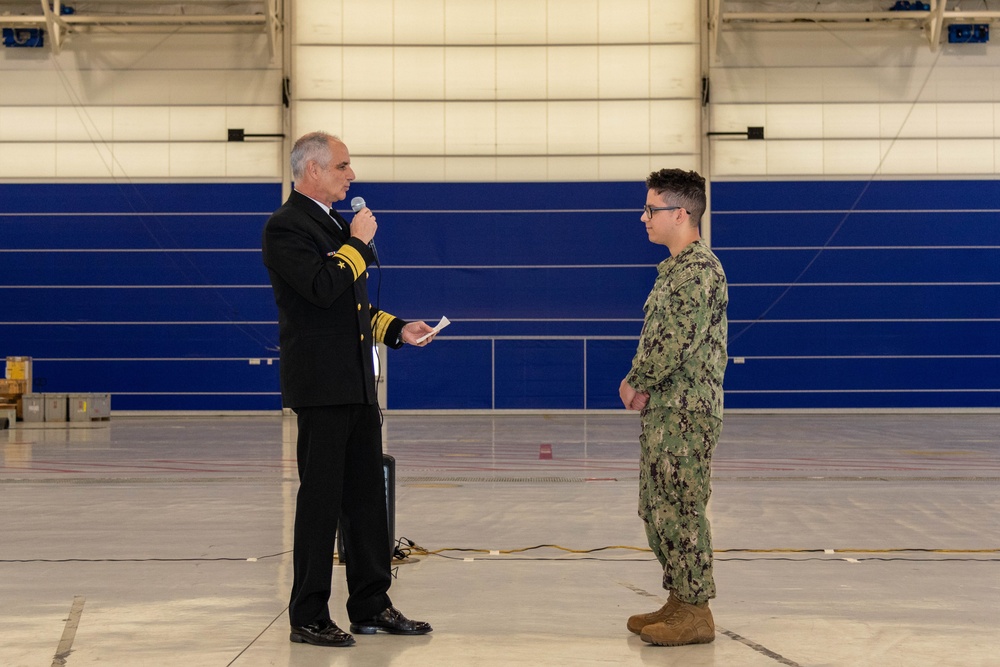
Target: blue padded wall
544,284
875,294
842,294
154,293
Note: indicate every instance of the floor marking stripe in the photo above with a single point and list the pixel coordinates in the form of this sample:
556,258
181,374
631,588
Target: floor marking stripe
639,591
757,647
266,628
69,632
729,633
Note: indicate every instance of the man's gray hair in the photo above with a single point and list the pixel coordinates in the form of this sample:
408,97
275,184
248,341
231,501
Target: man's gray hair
314,146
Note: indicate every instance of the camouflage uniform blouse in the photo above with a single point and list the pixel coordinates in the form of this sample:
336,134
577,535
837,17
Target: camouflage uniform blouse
682,349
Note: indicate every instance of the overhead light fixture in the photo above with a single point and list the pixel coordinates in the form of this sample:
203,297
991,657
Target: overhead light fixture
968,33
23,37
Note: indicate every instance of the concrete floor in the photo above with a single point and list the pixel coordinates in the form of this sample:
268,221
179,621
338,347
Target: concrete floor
841,540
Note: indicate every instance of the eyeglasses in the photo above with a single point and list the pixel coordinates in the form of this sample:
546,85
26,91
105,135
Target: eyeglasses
650,210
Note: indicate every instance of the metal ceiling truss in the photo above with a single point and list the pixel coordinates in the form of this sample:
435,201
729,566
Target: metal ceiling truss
126,17
932,21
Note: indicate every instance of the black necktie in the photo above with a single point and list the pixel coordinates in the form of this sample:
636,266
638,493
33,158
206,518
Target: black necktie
336,222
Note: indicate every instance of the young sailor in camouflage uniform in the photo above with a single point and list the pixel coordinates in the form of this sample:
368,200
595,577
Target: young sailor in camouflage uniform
676,382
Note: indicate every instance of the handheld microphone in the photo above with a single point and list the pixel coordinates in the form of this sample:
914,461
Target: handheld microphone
357,204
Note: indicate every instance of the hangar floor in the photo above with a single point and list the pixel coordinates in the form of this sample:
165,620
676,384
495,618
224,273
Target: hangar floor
841,540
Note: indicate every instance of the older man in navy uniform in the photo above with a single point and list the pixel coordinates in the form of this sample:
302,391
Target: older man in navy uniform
317,263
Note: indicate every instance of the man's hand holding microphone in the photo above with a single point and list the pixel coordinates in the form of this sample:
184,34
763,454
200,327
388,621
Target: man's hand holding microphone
363,228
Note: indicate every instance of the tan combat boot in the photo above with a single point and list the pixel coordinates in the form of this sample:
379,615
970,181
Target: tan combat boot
688,624
639,621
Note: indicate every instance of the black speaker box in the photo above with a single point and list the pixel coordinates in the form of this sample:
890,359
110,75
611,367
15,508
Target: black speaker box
389,469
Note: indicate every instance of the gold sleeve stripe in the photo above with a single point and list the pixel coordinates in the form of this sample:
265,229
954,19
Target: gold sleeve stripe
380,325
353,259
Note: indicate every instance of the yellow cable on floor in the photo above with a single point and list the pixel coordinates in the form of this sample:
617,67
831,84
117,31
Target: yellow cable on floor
416,549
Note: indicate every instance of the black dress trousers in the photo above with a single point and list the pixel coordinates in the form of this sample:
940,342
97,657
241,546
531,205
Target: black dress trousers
342,480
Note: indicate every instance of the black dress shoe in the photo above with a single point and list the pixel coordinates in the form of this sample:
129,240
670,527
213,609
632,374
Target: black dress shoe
393,622
321,633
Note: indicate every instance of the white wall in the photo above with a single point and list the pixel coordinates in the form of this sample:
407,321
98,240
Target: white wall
487,90
854,103
140,106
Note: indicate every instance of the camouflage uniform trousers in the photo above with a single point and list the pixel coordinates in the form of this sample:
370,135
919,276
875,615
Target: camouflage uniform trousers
675,472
